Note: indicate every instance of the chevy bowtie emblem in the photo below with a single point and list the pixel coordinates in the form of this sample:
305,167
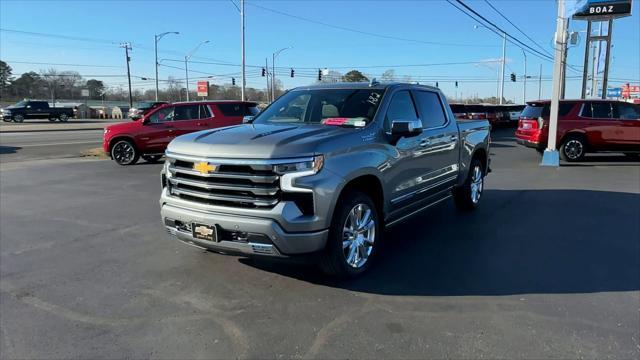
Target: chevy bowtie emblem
203,230
204,167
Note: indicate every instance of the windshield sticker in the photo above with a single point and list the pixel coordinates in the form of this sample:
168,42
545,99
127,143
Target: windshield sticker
373,99
342,121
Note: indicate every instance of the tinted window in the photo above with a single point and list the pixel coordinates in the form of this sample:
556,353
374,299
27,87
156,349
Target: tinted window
431,111
186,112
600,110
535,110
626,111
457,108
252,110
204,112
38,105
231,109
401,108
162,115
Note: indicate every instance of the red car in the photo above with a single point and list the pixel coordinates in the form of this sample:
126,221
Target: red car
584,126
149,136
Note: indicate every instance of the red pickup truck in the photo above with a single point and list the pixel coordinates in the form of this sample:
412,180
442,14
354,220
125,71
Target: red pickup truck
149,136
584,126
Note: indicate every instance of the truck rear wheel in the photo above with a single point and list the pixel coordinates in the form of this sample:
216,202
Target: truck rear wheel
573,148
18,118
355,231
63,117
124,152
467,197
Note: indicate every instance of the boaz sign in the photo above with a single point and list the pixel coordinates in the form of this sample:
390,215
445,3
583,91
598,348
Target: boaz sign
602,9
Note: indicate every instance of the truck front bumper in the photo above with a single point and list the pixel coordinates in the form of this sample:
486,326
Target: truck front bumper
247,235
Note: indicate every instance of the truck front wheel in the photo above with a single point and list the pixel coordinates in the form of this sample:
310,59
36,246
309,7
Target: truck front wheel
467,197
355,231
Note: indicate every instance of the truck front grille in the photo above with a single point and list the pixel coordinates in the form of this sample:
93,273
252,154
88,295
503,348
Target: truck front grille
244,185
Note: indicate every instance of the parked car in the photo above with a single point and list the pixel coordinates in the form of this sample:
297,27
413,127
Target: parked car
459,111
32,109
144,108
148,136
514,112
324,169
584,126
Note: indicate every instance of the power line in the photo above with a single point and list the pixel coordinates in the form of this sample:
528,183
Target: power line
517,28
58,64
362,32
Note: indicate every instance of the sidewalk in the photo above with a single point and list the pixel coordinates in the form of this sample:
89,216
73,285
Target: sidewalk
45,125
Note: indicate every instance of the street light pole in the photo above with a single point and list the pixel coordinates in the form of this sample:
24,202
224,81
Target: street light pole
273,75
524,85
244,78
186,62
504,53
157,38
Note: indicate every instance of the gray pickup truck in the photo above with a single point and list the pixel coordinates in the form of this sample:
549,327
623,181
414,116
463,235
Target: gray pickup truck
323,170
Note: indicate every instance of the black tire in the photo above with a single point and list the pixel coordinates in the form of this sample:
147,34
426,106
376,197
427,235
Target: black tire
334,260
6,119
124,152
52,119
573,148
467,197
151,158
63,117
18,118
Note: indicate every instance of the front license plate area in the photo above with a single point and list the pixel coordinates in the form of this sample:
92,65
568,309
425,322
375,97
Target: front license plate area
204,232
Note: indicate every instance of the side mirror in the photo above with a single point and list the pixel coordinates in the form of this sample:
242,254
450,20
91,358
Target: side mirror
247,119
401,128
145,120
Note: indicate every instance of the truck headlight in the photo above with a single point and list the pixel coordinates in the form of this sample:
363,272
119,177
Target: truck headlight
295,170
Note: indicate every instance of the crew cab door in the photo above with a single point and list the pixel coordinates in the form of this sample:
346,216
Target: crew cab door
37,110
439,150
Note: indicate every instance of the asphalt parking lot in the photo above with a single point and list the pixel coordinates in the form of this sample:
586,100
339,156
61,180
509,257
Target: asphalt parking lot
547,267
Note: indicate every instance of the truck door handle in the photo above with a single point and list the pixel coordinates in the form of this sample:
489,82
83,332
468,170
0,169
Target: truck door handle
201,124
453,138
425,142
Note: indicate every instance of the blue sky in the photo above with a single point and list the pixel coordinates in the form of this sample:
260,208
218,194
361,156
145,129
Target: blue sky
314,45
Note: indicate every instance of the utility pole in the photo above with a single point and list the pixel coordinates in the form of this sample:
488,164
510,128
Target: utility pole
157,38
524,84
563,69
551,156
186,61
540,83
605,79
244,79
585,69
266,67
504,54
127,47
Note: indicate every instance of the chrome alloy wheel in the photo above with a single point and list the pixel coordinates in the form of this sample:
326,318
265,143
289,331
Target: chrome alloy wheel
476,184
358,235
123,152
573,149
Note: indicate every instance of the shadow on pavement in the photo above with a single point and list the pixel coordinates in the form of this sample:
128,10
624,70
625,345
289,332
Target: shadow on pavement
605,160
9,149
517,242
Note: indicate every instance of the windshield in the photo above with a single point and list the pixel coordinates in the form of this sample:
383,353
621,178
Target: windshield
337,107
145,105
21,104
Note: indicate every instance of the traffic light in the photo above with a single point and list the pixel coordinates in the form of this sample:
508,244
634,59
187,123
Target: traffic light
292,72
233,81
264,72
437,84
319,74
513,77
456,84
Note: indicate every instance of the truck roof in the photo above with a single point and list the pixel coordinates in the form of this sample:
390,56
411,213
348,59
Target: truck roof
363,85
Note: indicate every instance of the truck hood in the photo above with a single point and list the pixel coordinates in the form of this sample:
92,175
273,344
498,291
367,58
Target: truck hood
256,141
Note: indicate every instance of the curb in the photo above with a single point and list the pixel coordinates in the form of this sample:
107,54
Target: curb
48,130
